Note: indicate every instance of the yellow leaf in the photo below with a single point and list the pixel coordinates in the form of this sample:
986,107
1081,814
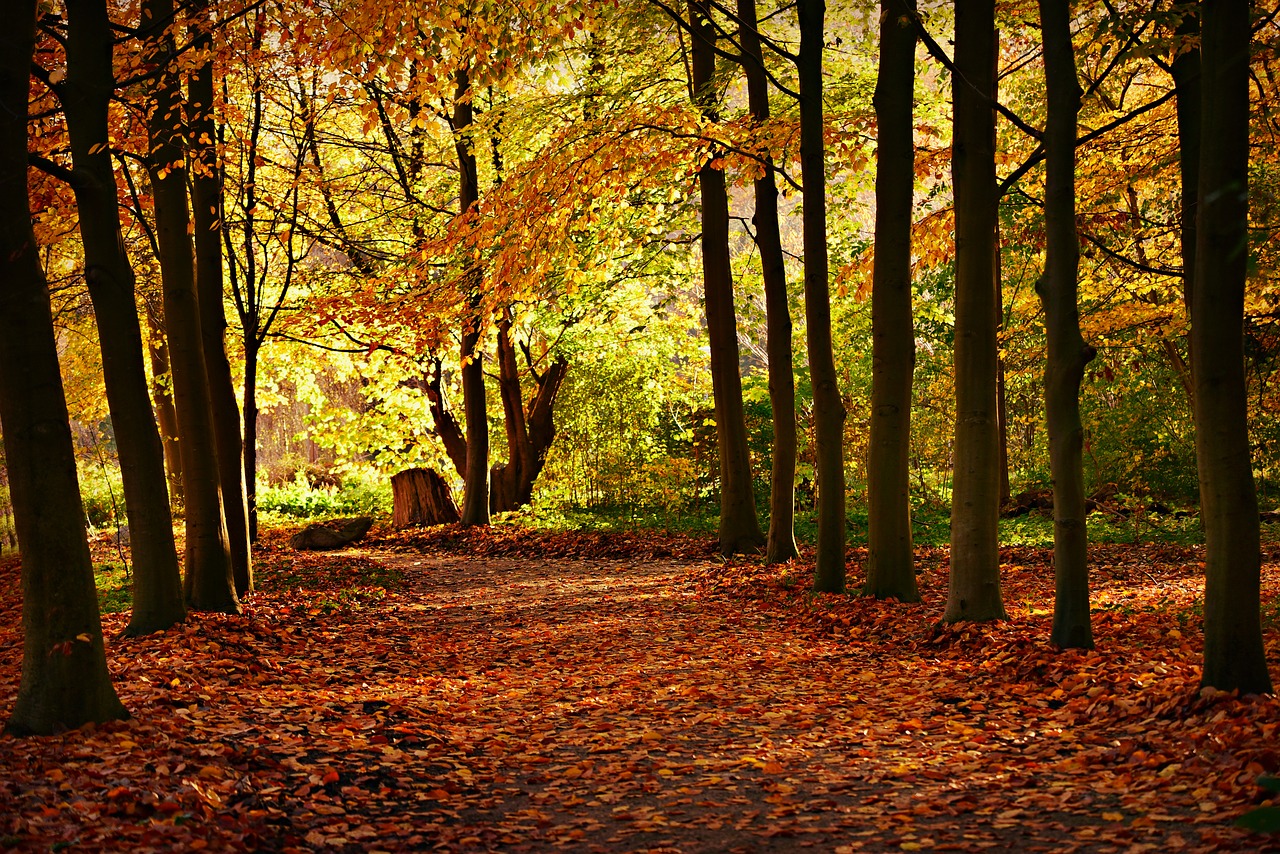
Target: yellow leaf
1113,816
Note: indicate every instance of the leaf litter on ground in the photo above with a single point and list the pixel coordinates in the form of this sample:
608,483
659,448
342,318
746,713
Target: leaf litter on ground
518,691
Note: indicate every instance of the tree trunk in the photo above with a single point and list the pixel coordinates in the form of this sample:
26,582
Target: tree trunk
475,494
1234,656
446,425
251,348
1187,95
1068,352
208,585
206,204
890,561
162,398
65,682
828,408
782,385
739,526
974,590
421,497
530,430
157,581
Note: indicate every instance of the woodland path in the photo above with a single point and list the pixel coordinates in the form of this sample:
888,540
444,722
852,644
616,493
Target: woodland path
480,703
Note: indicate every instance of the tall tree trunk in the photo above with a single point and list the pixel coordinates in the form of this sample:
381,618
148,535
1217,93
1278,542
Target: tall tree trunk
251,348
890,561
781,545
475,493
828,408
739,526
1068,352
974,590
162,399
1187,95
208,585
65,682
157,581
206,205
1234,657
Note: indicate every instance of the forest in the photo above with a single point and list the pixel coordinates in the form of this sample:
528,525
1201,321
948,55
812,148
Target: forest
756,424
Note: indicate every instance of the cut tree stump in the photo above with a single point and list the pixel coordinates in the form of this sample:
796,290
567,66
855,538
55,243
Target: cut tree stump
421,497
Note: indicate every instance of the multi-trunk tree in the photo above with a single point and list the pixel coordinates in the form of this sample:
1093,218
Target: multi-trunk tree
85,94
739,526
209,584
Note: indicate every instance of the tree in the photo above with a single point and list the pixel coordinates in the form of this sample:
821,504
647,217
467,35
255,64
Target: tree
890,561
739,527
207,227
65,682
85,95
974,589
781,544
475,493
1068,352
828,408
1234,656
209,584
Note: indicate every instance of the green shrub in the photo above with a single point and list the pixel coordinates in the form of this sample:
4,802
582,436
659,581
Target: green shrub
357,496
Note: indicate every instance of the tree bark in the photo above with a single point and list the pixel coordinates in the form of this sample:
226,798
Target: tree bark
890,561
65,682
1234,656
421,497
209,585
162,399
781,544
1068,352
828,408
530,430
475,494
207,219
1187,96
974,589
739,525
157,581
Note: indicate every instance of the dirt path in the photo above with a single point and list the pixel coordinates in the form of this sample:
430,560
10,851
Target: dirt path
478,704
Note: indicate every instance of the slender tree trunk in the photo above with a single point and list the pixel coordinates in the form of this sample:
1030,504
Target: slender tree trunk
206,204
890,561
828,408
475,497
739,526
1188,96
65,682
505,478
1002,400
157,581
1068,352
251,348
974,590
782,385
1234,656
162,398
209,585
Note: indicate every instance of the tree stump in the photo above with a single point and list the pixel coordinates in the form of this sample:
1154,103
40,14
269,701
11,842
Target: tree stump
322,536
421,497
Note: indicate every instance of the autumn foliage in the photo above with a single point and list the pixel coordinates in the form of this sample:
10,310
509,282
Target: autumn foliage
493,690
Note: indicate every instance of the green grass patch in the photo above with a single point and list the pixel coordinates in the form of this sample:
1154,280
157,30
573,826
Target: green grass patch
115,587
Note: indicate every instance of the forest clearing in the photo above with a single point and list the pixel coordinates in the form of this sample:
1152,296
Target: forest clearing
514,692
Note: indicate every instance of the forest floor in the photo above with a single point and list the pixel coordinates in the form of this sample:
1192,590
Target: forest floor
528,691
